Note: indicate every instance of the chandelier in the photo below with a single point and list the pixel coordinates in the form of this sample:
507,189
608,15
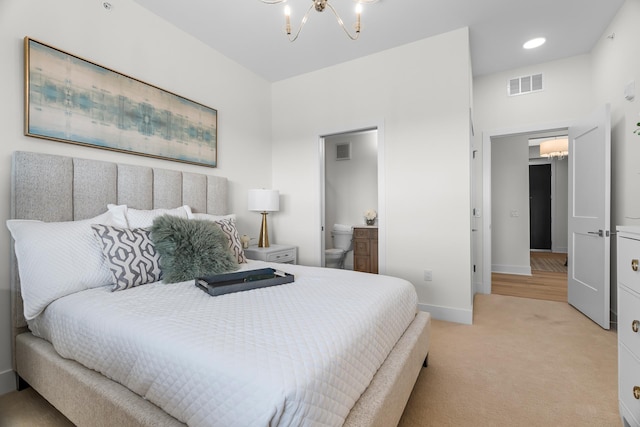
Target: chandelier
320,6
556,147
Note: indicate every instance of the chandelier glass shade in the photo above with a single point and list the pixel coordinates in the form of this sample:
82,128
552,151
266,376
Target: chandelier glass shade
558,147
320,6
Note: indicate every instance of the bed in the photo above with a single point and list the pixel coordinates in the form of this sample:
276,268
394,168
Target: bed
57,188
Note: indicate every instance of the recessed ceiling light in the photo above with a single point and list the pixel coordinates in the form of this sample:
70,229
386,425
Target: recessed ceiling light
533,43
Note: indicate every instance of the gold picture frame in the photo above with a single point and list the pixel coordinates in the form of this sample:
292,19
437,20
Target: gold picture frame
70,99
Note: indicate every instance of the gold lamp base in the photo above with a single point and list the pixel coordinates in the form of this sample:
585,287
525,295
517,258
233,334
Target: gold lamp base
263,241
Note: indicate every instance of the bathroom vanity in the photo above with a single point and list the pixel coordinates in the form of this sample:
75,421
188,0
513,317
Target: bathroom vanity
365,249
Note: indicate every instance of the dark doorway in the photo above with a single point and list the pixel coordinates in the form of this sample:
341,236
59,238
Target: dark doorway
540,206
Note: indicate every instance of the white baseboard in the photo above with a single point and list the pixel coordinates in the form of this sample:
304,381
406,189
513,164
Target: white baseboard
522,270
7,382
449,314
478,288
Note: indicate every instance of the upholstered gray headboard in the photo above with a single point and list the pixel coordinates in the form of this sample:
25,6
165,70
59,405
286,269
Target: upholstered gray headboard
58,188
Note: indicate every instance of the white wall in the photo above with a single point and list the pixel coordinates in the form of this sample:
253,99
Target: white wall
510,205
420,94
615,63
132,41
351,186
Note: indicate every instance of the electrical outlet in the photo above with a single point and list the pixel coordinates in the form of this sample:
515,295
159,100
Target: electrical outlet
428,276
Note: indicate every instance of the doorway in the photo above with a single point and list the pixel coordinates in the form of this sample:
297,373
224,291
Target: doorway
351,176
540,207
538,241
520,266
593,164
548,275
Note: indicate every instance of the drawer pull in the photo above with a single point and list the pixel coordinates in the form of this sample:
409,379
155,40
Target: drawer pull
634,264
634,325
636,392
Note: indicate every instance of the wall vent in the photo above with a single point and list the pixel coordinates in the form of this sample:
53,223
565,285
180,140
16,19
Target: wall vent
524,84
343,151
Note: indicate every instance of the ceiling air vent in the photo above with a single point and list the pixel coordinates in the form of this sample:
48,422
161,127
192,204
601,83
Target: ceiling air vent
343,151
524,84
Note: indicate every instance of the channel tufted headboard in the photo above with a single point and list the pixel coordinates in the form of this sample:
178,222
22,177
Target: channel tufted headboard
58,188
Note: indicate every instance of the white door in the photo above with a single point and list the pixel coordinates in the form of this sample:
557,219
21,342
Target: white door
589,216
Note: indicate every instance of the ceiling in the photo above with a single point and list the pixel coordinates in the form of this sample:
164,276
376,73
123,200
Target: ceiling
252,33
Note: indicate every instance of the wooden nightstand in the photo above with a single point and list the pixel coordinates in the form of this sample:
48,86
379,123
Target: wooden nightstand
283,254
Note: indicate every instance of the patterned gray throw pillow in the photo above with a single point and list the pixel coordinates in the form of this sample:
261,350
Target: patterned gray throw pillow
228,227
131,256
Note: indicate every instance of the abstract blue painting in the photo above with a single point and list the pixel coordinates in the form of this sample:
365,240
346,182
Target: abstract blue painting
72,100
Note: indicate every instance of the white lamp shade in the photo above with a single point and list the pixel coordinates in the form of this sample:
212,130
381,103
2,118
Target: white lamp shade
554,147
264,200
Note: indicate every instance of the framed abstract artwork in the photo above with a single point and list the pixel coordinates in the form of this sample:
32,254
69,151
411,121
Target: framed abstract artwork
73,100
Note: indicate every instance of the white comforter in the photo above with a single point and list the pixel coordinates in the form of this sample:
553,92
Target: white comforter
290,355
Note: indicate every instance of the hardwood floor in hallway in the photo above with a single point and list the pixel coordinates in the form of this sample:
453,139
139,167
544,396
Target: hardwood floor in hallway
547,280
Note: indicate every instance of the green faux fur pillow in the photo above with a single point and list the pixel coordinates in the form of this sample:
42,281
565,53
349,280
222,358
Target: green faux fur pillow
190,248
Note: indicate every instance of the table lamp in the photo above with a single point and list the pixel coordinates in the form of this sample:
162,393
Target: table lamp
264,201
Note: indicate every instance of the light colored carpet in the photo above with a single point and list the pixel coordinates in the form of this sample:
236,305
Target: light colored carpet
28,409
524,362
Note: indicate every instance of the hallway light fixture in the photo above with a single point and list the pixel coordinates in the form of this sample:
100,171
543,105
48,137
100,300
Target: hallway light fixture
264,201
320,6
556,147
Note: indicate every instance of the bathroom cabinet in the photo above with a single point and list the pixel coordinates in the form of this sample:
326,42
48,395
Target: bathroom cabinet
365,249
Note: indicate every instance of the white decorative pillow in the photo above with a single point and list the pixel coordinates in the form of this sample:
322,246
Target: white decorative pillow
228,225
209,217
143,218
131,256
56,259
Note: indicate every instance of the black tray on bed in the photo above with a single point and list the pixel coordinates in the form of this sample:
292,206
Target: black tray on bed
220,284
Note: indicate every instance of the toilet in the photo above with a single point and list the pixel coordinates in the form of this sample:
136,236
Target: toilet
342,243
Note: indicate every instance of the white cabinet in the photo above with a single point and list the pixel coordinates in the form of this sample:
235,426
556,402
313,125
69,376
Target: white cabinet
283,254
628,272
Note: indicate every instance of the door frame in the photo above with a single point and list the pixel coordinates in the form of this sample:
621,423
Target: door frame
534,162
381,208
554,202
485,287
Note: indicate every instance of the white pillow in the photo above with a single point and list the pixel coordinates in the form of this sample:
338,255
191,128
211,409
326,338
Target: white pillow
56,259
197,215
143,218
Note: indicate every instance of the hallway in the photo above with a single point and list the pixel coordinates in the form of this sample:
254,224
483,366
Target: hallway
548,280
